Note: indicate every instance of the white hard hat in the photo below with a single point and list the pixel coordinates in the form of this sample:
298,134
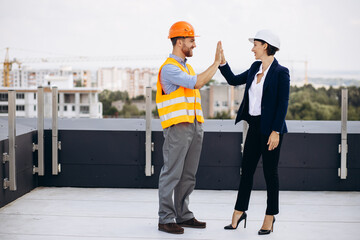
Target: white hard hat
267,36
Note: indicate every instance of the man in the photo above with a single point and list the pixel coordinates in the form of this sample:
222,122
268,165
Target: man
179,105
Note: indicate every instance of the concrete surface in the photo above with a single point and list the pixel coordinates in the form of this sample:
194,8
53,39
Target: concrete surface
86,213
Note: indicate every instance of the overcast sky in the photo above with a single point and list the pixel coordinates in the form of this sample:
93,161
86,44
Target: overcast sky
324,32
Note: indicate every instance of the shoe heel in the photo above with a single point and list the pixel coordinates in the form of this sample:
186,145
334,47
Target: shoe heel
245,223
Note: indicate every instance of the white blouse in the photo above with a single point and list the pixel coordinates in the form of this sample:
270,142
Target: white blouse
255,93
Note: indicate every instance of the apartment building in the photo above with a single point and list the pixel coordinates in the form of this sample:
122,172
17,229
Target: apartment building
221,97
32,78
134,81
73,103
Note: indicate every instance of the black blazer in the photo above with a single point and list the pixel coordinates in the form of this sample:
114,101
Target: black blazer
275,98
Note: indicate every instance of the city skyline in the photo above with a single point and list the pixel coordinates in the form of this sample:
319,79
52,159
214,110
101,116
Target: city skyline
326,39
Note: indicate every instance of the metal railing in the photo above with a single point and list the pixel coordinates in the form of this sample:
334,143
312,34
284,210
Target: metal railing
56,145
10,182
10,158
149,145
343,147
40,128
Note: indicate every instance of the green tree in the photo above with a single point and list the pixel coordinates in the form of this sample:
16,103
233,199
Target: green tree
140,97
112,111
107,97
155,113
222,115
129,111
354,96
211,82
354,113
308,103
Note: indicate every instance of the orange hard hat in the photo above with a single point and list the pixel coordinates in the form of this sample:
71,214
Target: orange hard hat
181,29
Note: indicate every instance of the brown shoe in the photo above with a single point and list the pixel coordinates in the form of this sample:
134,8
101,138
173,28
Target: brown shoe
193,223
171,228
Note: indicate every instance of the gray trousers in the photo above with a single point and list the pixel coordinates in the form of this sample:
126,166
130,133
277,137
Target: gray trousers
181,150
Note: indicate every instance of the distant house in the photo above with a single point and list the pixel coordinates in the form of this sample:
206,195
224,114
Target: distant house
73,103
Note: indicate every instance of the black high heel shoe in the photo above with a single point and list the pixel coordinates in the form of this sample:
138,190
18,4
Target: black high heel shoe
243,217
264,232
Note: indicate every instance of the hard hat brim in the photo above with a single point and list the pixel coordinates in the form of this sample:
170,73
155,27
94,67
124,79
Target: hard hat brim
183,36
253,39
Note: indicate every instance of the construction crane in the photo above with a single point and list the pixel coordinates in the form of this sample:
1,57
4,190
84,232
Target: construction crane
7,68
8,64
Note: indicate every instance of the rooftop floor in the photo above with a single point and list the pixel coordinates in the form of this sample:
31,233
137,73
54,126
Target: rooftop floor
86,213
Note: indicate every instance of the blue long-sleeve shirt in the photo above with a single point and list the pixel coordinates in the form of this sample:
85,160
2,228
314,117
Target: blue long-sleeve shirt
172,77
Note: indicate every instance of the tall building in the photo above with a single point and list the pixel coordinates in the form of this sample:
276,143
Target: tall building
134,81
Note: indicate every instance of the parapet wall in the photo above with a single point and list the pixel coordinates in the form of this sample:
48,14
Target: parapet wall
110,153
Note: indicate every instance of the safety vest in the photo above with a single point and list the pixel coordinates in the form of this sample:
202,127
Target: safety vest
182,105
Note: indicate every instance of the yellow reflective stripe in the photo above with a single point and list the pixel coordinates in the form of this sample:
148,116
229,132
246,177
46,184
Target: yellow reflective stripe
181,119
176,120
190,99
170,102
179,106
199,112
177,114
176,107
175,101
181,113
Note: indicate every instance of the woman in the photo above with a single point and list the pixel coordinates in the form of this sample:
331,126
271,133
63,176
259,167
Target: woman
264,107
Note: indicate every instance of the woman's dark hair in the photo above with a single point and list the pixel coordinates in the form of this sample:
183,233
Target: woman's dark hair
174,39
270,50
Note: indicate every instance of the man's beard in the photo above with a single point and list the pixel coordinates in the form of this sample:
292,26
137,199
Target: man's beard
187,51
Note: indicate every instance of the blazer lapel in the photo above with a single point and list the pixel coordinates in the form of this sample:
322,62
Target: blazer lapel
252,73
268,78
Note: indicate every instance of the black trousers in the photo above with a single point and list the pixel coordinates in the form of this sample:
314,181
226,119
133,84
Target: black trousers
256,146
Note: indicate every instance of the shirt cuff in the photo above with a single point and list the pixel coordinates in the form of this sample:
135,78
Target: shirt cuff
194,80
221,65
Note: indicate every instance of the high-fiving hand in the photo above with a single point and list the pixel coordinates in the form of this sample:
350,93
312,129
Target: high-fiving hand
222,57
219,53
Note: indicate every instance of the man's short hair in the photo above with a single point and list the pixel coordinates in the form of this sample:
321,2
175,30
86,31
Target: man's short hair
173,40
